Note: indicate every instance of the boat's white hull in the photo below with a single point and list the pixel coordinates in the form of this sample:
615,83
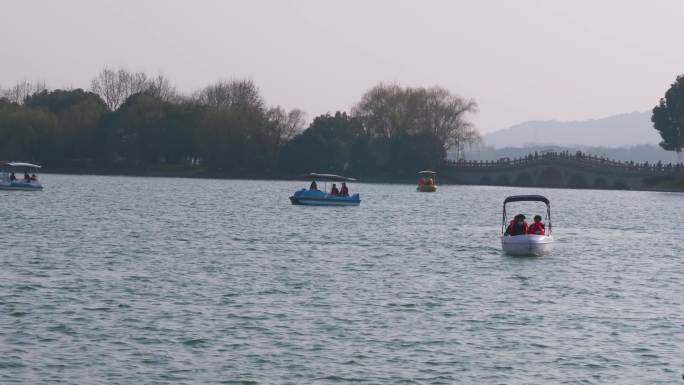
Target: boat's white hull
529,244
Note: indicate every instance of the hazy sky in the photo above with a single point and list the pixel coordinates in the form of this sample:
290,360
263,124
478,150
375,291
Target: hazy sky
519,59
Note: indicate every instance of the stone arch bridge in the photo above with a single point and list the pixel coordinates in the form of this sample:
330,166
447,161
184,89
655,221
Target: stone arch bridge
562,170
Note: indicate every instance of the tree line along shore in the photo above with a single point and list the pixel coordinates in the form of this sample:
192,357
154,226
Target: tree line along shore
132,123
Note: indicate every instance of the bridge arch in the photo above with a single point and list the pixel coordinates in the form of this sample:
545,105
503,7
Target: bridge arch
502,180
524,179
550,176
578,181
620,185
600,183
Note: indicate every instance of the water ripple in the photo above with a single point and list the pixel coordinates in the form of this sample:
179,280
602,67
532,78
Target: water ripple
154,280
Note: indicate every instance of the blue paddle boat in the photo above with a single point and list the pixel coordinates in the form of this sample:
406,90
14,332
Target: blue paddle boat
313,196
10,181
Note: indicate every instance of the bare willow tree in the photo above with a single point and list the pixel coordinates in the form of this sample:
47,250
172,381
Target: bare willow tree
22,90
230,94
115,85
444,115
162,87
296,120
110,84
382,110
286,124
390,111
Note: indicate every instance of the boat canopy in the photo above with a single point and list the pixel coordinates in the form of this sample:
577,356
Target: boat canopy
526,198
329,177
19,164
426,172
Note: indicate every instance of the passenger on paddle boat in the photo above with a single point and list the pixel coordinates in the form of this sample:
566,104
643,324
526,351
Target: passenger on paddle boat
344,190
518,239
9,181
315,197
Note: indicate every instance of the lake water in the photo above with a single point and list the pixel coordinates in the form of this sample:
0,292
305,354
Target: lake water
161,280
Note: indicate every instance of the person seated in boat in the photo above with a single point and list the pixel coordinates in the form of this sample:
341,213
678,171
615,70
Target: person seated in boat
537,227
429,182
13,177
34,177
344,191
313,186
518,226
27,178
334,190
421,181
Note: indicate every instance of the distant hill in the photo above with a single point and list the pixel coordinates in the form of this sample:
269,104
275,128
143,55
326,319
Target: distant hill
622,130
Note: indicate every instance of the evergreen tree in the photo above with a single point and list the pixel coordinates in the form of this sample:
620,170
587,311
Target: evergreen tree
668,117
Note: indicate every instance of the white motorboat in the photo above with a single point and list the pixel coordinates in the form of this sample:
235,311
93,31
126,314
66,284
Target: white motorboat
527,244
25,182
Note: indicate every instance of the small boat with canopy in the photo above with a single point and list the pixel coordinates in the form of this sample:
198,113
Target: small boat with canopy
10,181
527,244
313,196
427,182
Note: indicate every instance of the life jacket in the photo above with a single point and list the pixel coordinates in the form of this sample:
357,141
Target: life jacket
344,191
334,191
515,229
536,227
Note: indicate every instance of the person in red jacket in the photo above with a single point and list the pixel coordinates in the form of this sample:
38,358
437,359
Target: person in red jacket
537,227
344,191
334,190
518,226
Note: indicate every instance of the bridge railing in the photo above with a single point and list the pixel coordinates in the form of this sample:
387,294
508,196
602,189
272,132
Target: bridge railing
579,159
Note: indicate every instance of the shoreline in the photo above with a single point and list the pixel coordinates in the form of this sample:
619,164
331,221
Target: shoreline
203,174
